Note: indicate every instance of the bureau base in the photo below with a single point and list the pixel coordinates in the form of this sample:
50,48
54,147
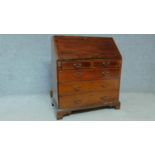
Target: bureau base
60,113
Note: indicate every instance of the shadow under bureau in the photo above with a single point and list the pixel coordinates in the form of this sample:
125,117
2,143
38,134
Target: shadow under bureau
86,74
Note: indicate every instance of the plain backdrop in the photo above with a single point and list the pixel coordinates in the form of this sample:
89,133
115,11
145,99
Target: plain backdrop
25,63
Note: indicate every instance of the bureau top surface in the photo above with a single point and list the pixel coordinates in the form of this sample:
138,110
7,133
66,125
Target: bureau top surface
74,47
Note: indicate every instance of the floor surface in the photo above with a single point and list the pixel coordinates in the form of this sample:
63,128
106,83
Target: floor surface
134,107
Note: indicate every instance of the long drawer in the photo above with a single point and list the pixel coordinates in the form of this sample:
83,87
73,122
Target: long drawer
79,87
88,99
87,74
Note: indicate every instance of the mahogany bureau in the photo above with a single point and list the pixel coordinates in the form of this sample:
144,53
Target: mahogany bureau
86,74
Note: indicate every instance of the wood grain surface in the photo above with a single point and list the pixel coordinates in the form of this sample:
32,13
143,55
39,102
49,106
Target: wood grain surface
87,73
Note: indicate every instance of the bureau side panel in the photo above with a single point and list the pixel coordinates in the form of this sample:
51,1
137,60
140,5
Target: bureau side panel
54,73
120,76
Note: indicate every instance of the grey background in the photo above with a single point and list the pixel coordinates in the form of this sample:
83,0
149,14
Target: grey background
25,63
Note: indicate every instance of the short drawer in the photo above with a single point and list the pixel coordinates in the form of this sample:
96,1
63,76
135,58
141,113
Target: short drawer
107,63
89,74
88,99
75,64
87,86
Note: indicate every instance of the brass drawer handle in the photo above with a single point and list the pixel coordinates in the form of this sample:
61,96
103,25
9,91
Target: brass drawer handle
77,65
103,98
106,63
106,73
77,101
77,89
103,86
78,74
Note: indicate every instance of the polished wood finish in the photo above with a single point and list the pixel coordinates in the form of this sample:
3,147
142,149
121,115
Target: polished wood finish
86,74
76,65
79,87
107,64
69,47
88,99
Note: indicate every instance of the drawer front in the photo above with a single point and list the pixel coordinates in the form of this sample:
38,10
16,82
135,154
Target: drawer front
87,86
107,63
76,64
84,75
88,99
